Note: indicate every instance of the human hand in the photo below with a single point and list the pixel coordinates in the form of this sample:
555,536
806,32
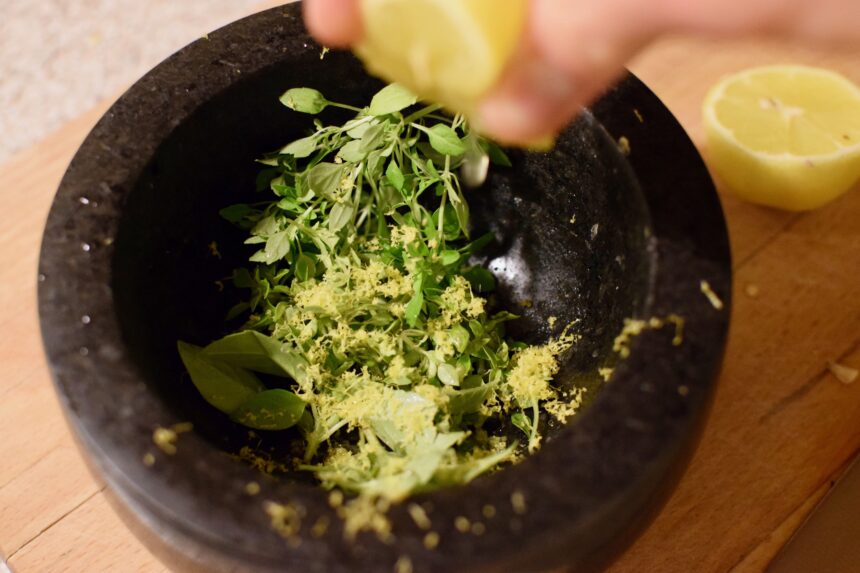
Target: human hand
573,49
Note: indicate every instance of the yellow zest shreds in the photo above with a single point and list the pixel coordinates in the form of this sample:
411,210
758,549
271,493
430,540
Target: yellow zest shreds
462,524
148,459
534,367
364,303
551,321
320,526
715,300
605,373
561,410
431,540
419,516
335,498
260,461
528,386
844,374
252,488
752,290
403,565
286,519
366,513
518,502
397,403
635,327
165,438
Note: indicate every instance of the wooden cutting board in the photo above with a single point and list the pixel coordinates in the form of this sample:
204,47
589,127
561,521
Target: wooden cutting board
781,430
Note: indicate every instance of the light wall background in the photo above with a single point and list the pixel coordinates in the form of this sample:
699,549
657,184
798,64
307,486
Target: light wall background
58,58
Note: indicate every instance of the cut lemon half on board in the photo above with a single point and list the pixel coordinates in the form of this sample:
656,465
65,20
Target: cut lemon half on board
785,136
445,51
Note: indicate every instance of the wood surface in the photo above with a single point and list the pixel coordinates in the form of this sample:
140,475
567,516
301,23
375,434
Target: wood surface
781,430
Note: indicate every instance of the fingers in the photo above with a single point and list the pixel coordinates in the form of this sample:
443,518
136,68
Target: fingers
334,23
572,51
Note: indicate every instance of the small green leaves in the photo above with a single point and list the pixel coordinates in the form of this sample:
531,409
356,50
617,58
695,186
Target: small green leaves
235,213
481,279
339,216
450,257
497,155
395,176
522,422
325,180
448,374
224,386
468,401
358,304
304,268
258,352
270,410
390,99
413,309
301,148
304,100
444,140
373,138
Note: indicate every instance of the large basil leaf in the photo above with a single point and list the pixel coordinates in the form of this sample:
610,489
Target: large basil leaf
223,385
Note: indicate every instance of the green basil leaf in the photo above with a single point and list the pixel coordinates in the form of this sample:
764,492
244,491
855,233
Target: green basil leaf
352,152
325,180
523,423
339,215
277,247
300,148
459,337
413,308
426,464
362,126
373,138
444,140
258,352
235,213
390,99
461,208
304,100
305,268
223,385
467,401
450,257
395,176
497,155
236,310
448,375
478,244
270,410
481,279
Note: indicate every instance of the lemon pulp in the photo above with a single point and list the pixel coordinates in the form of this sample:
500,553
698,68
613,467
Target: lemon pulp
785,136
447,51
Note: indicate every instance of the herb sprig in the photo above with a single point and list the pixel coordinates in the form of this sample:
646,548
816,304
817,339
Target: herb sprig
362,300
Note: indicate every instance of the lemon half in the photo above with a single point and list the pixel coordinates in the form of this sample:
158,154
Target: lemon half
446,51
785,136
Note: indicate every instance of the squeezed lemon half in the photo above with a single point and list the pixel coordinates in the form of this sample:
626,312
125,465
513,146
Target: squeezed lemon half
447,51
785,136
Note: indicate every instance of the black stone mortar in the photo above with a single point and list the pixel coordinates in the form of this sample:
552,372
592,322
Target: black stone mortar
126,269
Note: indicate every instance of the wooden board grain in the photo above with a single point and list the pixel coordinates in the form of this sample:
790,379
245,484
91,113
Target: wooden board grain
781,428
